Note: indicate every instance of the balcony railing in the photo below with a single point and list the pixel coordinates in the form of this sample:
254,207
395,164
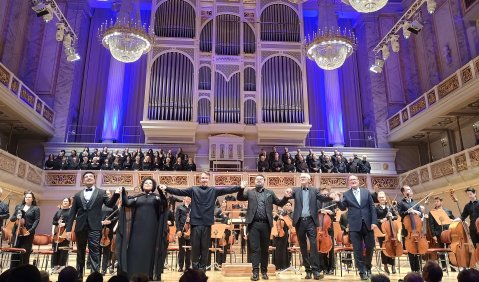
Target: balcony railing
432,98
25,95
20,173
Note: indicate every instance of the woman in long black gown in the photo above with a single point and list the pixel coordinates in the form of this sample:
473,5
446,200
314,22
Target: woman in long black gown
141,236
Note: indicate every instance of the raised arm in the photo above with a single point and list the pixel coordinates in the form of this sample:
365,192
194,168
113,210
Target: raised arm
227,190
180,192
111,201
242,195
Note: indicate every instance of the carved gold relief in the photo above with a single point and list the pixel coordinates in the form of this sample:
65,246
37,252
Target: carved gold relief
417,106
22,169
466,74
142,176
60,179
7,163
333,182
174,180
441,169
15,85
114,179
385,166
474,156
405,115
383,182
411,179
394,122
424,175
227,180
4,76
431,97
280,181
448,86
34,176
461,163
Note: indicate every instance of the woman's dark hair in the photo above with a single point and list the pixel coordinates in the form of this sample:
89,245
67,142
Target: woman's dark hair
468,275
432,272
51,157
95,277
34,202
143,183
26,272
470,189
69,200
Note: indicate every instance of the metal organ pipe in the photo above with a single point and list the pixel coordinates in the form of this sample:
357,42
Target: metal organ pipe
175,18
280,23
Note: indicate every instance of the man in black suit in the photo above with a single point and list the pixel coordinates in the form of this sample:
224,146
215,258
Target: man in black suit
405,207
181,215
86,210
259,218
362,220
305,219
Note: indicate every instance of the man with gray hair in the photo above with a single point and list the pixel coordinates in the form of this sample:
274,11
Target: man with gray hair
364,165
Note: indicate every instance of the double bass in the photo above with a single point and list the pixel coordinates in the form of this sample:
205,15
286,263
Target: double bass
323,239
426,229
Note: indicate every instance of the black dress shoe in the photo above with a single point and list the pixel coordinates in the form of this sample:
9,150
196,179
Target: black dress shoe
255,277
264,276
393,271
318,275
363,276
308,275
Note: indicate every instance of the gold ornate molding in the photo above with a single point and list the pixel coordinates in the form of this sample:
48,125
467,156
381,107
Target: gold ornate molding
7,163
227,180
117,179
461,163
174,180
424,175
61,179
441,169
381,182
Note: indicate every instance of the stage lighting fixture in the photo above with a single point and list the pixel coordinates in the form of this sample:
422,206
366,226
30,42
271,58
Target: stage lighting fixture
378,66
67,41
405,32
394,43
72,55
40,8
415,27
60,31
385,52
431,6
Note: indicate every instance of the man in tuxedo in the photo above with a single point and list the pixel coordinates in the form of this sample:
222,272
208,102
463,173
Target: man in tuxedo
305,219
259,218
87,211
362,220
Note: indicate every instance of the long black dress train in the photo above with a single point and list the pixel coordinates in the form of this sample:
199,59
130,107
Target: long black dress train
142,235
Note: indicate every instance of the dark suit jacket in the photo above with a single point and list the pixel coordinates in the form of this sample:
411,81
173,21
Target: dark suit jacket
314,197
357,213
32,217
88,215
270,197
403,206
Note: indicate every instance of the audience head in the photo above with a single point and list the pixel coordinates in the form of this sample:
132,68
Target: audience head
432,272
139,277
471,193
44,276
413,277
94,277
193,275
380,278
468,275
25,272
5,276
118,278
68,274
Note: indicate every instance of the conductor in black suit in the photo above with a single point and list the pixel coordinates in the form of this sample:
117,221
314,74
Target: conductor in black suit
362,220
259,218
86,210
305,219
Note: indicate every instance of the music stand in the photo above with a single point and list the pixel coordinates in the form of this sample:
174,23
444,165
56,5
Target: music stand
292,267
441,217
217,232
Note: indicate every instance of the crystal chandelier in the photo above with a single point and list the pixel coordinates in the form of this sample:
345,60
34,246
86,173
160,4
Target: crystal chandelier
126,39
330,47
367,6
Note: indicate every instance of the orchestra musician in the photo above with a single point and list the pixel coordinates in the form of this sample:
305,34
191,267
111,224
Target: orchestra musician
86,210
181,214
327,260
437,227
281,258
110,218
60,251
405,207
362,220
27,214
471,210
305,220
223,244
384,211
259,218
203,199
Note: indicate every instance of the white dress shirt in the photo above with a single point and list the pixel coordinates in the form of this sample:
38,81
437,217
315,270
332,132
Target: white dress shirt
88,194
357,195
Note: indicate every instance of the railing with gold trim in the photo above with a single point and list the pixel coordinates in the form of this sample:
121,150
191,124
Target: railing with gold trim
19,173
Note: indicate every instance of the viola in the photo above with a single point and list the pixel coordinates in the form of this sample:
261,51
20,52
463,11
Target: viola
187,227
59,230
105,237
392,246
293,237
323,239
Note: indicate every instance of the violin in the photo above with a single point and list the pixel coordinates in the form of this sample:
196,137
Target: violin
415,242
293,237
59,230
392,246
323,239
187,227
105,232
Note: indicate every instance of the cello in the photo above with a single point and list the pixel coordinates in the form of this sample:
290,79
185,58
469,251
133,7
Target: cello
391,244
415,242
323,239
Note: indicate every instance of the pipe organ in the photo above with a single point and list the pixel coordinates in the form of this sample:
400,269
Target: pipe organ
235,67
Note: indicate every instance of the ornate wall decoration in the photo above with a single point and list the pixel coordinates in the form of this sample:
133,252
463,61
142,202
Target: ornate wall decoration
448,86
383,182
198,179
15,85
280,181
431,97
204,95
474,156
227,180
476,64
251,180
461,163
27,96
117,179
333,182
227,9
48,114
174,180
466,74
7,163
405,115
227,70
250,96
22,170
157,50
441,169
424,175
411,179
394,122
34,176
60,179
142,176
248,15
266,54
39,106
417,106
4,76
296,55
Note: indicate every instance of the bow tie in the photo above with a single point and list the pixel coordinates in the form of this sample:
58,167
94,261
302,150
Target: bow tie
89,189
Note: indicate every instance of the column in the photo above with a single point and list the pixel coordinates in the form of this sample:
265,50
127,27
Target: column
112,119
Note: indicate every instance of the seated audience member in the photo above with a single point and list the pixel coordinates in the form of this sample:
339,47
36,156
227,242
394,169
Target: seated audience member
190,166
178,166
95,163
106,165
327,166
380,278
432,272
74,163
413,277
341,167
168,166
139,277
468,275
289,166
85,164
276,164
193,275
301,165
64,165
68,274
127,163
44,276
156,165
146,165
95,277
137,164
116,163
364,165
263,164
50,162
314,164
